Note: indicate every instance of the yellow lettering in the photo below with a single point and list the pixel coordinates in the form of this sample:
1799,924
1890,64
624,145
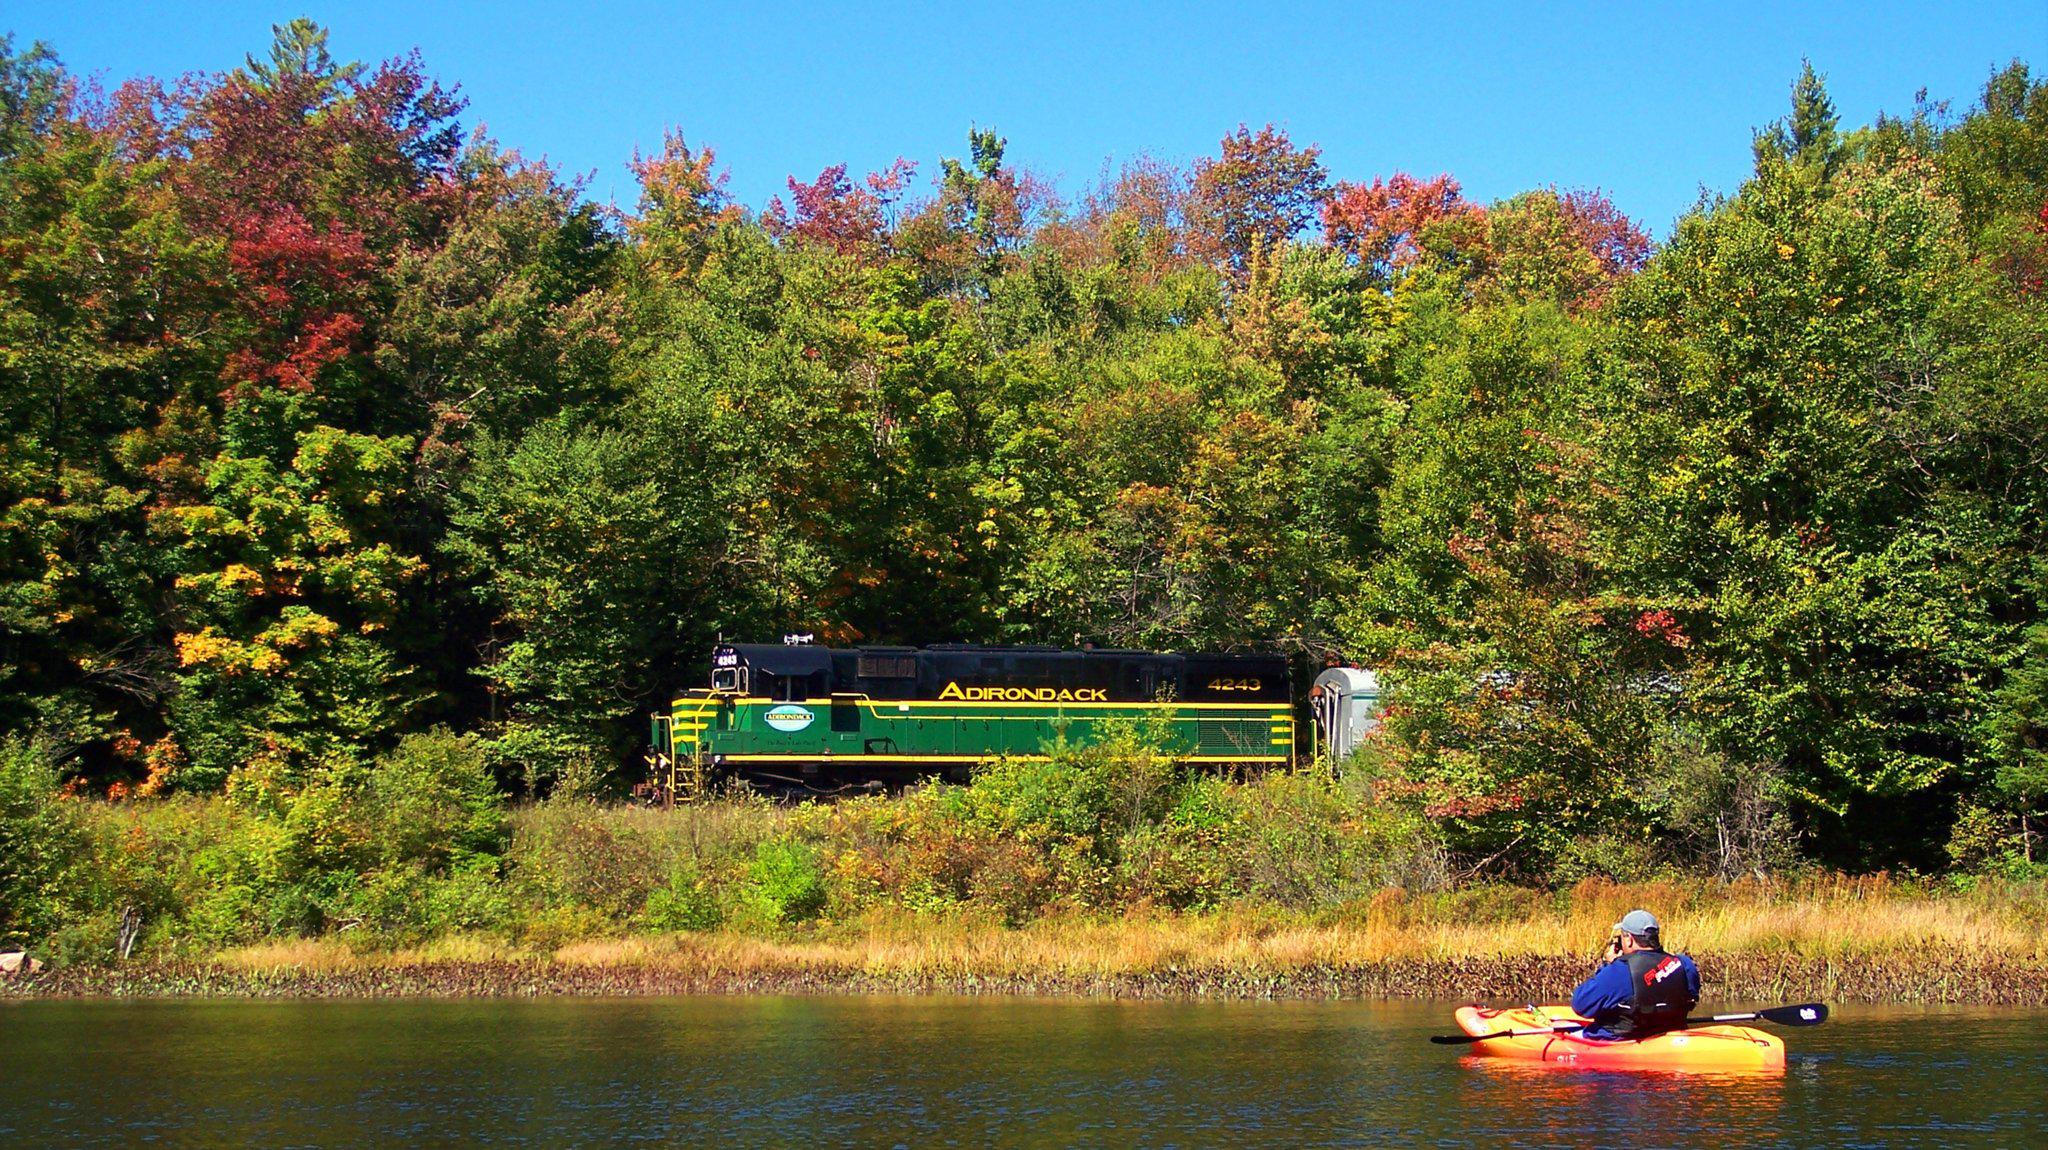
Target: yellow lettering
954,690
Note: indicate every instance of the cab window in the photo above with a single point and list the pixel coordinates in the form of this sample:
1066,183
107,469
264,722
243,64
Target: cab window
782,688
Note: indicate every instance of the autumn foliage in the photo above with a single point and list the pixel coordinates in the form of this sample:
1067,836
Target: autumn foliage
326,421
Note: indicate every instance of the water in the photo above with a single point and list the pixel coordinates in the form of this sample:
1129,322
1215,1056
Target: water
958,1072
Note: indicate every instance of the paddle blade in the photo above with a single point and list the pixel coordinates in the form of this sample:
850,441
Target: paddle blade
1458,1039
1805,1014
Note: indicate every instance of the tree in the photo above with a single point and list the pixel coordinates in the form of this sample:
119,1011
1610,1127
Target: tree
682,201
299,61
570,538
1258,193
983,202
2015,733
1568,248
107,300
32,95
281,512
832,211
288,588
1787,415
1810,136
1382,225
1138,218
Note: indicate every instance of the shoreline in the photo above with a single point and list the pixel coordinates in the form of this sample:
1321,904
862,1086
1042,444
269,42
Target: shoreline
1727,979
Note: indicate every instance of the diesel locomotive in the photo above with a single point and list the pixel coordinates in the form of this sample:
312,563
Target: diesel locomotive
803,714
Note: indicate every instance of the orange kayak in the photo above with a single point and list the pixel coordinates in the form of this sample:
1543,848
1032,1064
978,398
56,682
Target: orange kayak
1716,1048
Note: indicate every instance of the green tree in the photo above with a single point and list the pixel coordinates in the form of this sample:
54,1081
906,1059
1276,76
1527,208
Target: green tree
1810,137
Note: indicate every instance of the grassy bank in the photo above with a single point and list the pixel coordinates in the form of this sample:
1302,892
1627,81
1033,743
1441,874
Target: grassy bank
1102,871
1869,940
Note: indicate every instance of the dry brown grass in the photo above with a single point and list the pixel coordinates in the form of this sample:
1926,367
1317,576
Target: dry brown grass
1834,917
1862,920
1834,920
313,955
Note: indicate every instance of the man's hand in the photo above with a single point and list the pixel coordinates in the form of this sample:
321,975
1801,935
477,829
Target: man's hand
1613,952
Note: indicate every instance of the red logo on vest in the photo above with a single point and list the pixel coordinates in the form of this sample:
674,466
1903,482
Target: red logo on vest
1661,971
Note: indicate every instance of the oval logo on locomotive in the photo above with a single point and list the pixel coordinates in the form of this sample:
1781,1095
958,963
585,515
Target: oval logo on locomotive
789,718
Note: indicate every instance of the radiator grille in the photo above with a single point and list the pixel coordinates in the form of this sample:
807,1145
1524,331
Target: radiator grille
1232,735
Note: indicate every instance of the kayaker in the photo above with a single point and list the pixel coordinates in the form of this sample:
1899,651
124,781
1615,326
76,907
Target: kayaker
1638,989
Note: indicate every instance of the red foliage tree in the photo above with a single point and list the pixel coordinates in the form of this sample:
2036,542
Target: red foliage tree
1621,247
832,211
1258,193
1139,216
1381,224
315,176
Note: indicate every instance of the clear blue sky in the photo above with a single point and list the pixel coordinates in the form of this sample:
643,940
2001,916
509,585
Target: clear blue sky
1650,103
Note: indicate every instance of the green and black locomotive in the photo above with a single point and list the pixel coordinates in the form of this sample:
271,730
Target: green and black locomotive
800,711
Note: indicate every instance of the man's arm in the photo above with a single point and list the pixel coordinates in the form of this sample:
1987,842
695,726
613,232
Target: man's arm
1607,989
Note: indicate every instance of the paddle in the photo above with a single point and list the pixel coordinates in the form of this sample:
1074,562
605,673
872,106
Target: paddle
1804,1014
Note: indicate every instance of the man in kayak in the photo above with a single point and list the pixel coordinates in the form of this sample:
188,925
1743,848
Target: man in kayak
1638,990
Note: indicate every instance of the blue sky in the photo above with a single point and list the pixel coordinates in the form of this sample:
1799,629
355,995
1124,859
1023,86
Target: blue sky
1650,103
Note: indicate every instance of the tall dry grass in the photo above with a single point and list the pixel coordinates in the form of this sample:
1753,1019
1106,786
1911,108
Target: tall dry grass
1838,919
1834,919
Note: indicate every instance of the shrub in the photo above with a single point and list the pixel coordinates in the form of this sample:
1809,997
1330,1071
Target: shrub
684,902
322,833
1039,801
1715,812
1289,843
1616,857
432,801
545,761
783,882
40,839
407,904
197,872
573,853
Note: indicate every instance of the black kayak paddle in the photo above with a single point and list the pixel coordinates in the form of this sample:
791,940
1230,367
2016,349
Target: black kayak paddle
1804,1014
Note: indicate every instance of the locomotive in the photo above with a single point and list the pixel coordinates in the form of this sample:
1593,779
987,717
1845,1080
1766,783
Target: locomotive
801,714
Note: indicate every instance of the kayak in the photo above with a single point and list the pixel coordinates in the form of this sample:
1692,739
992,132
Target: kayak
1719,1048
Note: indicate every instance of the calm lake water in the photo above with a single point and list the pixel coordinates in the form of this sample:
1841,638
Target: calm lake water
958,1072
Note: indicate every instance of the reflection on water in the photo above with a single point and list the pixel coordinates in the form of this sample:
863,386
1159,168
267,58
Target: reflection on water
950,1071
1530,1102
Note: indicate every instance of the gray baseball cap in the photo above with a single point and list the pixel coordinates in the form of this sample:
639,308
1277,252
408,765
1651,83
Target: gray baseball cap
1638,923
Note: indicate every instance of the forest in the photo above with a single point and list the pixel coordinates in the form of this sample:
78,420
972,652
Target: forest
346,452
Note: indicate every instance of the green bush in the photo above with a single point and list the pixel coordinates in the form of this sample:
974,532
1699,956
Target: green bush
408,904
40,839
783,882
432,801
575,853
684,902
198,873
1622,858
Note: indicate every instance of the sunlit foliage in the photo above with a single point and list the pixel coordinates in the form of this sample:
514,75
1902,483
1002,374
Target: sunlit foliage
324,423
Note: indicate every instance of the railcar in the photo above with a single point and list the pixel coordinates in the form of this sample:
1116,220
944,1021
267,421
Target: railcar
805,713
